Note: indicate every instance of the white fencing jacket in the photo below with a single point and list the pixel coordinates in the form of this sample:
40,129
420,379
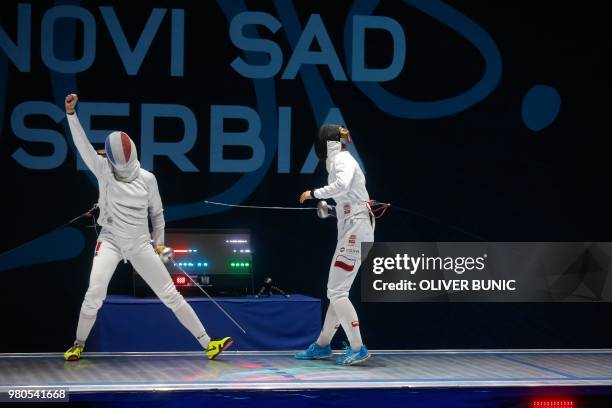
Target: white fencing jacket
124,206
346,184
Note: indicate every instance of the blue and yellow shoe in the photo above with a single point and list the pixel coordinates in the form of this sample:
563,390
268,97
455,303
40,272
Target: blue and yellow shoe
215,347
314,352
351,357
74,352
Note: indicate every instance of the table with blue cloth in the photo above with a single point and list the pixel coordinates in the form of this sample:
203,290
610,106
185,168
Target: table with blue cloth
127,323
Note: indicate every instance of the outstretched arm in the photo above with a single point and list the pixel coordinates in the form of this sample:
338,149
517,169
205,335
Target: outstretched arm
156,213
93,161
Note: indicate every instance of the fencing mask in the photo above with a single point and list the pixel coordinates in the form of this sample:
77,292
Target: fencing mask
121,153
330,133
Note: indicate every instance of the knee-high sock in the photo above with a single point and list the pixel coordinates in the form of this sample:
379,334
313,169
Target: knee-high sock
350,323
330,327
190,320
86,322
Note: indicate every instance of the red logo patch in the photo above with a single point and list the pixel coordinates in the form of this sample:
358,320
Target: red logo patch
355,323
352,239
98,245
347,209
345,262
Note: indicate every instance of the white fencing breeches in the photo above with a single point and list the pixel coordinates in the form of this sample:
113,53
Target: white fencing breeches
342,272
347,258
148,265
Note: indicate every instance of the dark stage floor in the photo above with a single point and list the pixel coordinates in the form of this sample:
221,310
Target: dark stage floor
103,372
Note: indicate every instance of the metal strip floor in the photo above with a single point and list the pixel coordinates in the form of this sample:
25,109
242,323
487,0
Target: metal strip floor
279,370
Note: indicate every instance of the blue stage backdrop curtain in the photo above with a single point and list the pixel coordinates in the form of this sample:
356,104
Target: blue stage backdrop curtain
143,324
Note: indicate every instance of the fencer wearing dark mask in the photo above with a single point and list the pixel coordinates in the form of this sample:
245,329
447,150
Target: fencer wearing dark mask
347,187
129,196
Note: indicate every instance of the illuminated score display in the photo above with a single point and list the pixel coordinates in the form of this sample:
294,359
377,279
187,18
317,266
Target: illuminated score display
180,280
193,264
240,264
214,259
190,263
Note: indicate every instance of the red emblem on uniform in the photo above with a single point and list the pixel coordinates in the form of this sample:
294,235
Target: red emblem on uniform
355,323
345,262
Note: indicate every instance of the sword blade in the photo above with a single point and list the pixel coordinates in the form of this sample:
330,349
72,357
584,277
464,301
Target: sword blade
209,297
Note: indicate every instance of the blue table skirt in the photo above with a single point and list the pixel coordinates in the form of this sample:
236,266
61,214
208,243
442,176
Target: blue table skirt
144,324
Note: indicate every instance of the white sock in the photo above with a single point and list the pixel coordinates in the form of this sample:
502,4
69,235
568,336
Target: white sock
84,326
189,319
350,323
330,326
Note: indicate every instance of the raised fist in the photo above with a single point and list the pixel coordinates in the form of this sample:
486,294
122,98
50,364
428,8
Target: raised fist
70,103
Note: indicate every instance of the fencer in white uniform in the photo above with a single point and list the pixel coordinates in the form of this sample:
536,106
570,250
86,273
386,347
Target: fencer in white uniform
347,187
129,196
